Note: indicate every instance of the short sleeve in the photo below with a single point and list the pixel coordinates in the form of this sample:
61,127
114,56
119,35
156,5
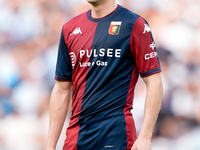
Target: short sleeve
63,66
144,49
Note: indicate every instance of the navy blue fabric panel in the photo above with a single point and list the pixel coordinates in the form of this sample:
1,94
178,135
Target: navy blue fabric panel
107,86
63,66
118,71
102,134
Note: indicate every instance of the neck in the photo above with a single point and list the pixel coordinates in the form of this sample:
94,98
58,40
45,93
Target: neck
102,9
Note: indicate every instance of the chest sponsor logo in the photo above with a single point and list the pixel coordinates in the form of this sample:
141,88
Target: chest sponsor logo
109,53
114,27
102,52
76,31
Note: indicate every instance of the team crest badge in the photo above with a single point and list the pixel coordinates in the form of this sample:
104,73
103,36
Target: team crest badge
114,27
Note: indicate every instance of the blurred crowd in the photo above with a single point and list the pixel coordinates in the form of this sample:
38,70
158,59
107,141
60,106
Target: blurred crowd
29,37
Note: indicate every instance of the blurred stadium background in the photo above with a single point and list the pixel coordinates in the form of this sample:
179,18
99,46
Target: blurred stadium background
29,36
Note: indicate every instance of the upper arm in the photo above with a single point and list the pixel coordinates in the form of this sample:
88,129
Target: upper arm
144,49
154,81
63,87
63,66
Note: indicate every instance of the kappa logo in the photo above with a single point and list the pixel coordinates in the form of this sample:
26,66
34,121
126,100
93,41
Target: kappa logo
146,28
153,45
76,31
73,59
114,27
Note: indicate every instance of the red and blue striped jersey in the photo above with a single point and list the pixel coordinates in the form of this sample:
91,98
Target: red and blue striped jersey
103,59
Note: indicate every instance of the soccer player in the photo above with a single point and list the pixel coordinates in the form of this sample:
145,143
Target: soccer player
101,54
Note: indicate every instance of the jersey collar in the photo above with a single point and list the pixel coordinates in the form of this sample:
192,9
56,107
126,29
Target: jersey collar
105,17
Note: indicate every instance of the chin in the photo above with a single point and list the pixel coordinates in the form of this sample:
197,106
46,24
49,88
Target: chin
93,2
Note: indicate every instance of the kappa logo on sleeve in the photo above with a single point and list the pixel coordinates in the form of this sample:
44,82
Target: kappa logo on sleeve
114,27
146,28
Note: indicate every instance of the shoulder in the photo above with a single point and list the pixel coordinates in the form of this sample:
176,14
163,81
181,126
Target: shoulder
76,19
73,22
130,15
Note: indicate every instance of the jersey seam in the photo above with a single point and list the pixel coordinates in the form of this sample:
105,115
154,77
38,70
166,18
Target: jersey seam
132,38
134,28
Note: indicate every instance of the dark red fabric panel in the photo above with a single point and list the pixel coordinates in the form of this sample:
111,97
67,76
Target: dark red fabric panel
143,48
130,125
79,34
